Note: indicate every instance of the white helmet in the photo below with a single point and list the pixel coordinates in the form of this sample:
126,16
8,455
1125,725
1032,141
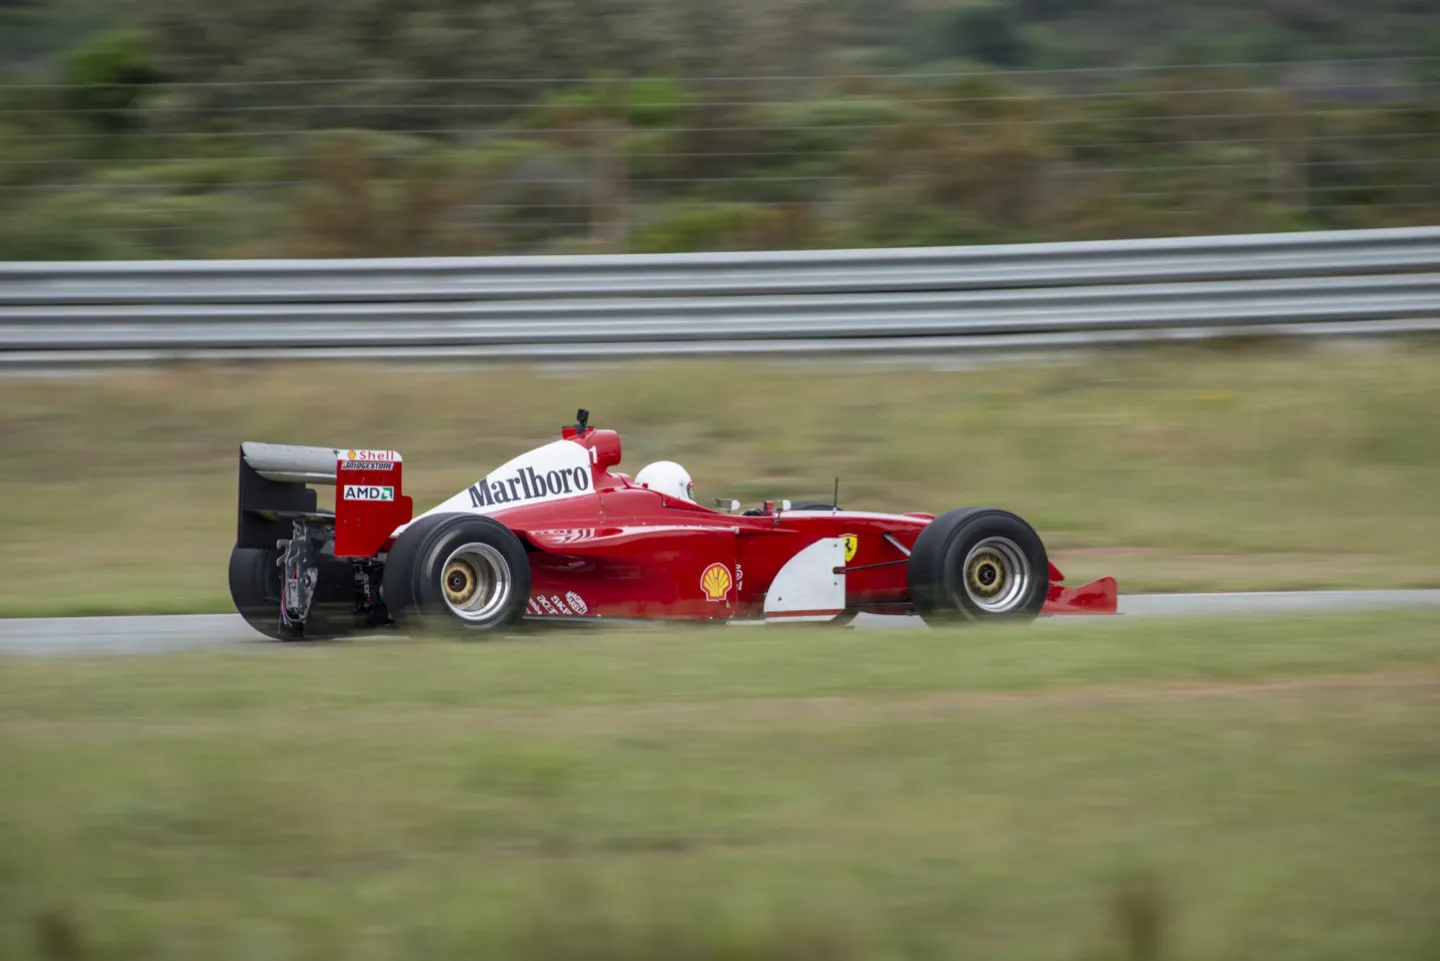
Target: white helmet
667,477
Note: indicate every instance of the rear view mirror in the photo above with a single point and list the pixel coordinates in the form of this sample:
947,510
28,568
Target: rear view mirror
727,504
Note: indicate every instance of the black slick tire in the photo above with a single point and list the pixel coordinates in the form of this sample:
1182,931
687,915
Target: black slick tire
413,585
965,553
255,589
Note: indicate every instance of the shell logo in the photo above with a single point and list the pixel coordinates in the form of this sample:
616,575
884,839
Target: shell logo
715,582
349,455
852,543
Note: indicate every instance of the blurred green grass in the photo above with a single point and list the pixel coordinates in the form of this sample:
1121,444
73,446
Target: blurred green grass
1174,470
1189,789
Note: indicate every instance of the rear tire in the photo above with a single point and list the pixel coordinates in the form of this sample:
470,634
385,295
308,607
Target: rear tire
457,574
978,564
255,589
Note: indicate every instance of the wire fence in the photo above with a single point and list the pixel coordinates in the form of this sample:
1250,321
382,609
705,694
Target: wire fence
380,167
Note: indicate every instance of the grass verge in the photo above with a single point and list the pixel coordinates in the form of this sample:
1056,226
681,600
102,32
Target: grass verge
1172,470
1196,789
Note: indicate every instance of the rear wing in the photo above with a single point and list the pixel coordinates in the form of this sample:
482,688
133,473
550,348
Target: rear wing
275,491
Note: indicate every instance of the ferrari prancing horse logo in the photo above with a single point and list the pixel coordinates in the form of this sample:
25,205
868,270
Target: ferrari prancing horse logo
852,542
715,582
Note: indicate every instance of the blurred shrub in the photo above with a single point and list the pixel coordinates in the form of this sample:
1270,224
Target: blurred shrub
107,79
726,227
640,103
371,196
989,33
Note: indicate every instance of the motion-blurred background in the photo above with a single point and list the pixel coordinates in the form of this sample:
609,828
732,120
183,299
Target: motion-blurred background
1203,788
139,132
380,128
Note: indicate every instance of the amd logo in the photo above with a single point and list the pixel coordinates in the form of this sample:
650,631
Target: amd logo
528,484
368,492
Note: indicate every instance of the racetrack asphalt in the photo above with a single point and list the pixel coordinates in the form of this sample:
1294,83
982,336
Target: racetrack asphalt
158,634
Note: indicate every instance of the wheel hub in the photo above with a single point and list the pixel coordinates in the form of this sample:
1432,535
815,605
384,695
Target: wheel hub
460,581
986,574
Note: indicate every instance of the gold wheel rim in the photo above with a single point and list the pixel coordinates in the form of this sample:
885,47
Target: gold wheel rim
986,574
996,576
476,583
460,582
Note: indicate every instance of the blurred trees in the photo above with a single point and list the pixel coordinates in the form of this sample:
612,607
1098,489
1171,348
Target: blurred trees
389,127
213,40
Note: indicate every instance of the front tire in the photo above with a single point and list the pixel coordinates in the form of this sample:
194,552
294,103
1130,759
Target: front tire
978,565
457,574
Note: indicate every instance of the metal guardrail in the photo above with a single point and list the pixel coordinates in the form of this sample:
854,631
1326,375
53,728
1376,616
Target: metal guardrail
914,300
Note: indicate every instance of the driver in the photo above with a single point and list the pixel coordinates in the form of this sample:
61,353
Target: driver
668,478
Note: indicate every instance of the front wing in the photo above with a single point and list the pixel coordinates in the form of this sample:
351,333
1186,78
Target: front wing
1100,596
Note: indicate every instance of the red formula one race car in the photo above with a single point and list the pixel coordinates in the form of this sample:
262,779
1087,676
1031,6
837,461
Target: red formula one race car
557,534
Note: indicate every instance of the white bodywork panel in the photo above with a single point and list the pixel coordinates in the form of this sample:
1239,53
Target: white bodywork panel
807,587
556,471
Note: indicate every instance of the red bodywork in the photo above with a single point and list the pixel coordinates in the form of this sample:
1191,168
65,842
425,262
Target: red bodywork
622,551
